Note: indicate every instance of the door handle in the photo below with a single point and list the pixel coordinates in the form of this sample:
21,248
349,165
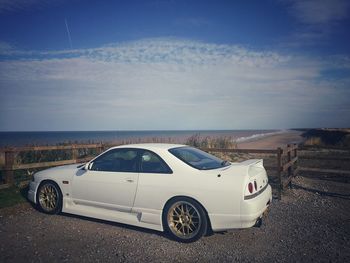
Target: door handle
130,180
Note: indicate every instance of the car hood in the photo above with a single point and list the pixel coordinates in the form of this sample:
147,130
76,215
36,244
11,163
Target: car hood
64,171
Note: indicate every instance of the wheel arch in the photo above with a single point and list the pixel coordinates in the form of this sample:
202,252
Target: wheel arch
51,181
209,230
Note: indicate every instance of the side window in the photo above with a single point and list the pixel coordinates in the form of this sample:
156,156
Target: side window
152,163
117,160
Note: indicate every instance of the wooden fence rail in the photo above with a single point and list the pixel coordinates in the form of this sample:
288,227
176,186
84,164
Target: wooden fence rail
8,164
285,167
339,157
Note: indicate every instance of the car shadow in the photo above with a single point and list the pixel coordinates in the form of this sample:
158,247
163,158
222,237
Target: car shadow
24,192
327,177
111,223
321,193
101,221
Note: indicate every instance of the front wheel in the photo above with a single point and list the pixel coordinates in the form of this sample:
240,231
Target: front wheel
184,220
49,198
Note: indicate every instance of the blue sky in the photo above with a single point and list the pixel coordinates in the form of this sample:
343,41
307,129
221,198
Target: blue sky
168,64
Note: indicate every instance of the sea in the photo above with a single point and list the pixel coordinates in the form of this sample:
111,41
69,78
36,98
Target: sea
30,138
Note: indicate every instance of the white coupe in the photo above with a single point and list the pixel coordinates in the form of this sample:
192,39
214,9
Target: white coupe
167,187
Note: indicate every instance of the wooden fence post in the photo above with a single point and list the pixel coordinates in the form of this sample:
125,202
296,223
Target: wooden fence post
279,172
100,149
290,168
295,172
9,173
74,153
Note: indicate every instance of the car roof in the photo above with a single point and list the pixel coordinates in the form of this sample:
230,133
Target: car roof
151,146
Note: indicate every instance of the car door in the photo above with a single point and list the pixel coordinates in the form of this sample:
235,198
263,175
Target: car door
110,181
155,182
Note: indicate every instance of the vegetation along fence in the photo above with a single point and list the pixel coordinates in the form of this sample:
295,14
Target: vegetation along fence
18,164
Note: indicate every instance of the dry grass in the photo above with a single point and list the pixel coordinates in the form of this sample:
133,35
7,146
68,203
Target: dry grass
313,141
198,141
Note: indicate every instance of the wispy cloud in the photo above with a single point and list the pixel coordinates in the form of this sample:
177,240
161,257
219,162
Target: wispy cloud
319,12
192,22
169,84
5,46
160,50
316,19
19,5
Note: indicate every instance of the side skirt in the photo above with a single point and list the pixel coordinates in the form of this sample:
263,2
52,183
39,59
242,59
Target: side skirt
139,219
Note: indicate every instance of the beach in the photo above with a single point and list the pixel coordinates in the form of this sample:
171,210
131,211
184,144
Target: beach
272,141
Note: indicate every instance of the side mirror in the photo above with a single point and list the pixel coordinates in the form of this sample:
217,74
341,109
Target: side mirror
87,166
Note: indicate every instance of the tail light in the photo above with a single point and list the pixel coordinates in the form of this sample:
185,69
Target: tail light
250,188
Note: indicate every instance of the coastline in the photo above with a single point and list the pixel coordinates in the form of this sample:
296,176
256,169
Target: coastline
18,139
272,141
247,139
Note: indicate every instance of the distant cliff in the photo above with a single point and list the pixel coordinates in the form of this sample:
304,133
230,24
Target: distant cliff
327,137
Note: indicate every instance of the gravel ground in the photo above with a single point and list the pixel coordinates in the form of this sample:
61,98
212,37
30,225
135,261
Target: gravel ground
310,224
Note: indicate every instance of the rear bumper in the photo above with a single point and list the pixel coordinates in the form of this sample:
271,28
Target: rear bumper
251,210
254,208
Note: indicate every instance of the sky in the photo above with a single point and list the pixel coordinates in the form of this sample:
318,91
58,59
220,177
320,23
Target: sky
174,65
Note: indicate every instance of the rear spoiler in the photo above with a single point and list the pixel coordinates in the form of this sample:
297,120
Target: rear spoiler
253,162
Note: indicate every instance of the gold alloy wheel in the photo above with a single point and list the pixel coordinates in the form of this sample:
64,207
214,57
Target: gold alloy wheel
184,220
48,197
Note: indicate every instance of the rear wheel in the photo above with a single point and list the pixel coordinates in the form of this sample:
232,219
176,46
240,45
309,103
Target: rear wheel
185,220
49,198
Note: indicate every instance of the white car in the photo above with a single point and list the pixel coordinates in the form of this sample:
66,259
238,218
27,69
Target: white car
167,187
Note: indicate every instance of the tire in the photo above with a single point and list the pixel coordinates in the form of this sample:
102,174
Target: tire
184,220
49,198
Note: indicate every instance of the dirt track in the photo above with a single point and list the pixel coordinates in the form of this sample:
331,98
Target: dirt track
310,224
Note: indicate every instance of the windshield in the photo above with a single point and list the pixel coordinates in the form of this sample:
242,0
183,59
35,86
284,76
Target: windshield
198,159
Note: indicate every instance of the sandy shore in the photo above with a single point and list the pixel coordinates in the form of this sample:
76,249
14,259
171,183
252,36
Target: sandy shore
272,141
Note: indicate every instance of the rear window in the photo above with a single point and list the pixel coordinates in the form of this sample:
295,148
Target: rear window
197,158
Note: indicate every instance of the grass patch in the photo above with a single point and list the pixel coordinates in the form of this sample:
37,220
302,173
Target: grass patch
12,196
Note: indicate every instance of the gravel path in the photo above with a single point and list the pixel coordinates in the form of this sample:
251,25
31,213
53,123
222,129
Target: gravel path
310,224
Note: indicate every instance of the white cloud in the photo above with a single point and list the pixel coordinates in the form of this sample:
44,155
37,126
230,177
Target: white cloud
167,84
